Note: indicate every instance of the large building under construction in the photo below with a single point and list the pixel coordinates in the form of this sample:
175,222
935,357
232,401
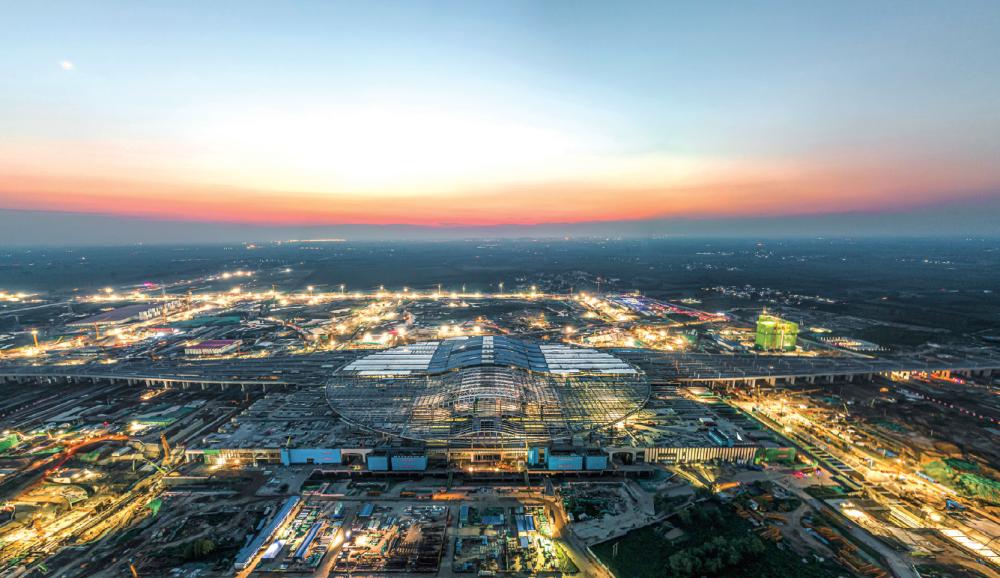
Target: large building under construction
775,334
482,404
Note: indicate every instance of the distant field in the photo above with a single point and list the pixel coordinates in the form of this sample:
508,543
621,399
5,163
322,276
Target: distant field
841,267
946,284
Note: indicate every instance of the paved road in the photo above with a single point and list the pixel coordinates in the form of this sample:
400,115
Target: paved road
898,563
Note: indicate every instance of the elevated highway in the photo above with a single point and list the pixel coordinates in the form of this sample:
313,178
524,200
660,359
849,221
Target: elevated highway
708,368
260,374
673,367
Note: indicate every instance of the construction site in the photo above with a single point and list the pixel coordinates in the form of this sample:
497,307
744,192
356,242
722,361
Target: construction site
325,432
396,537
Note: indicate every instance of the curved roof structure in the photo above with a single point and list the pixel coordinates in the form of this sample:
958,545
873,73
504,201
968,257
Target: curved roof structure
491,391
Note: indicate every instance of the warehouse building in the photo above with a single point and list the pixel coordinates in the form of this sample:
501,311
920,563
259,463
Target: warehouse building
213,347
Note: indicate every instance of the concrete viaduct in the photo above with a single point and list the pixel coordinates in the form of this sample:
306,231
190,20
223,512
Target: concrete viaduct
265,374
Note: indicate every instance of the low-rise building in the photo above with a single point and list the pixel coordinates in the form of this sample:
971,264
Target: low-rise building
214,347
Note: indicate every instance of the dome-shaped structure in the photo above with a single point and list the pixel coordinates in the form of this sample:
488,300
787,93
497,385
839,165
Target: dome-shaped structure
489,391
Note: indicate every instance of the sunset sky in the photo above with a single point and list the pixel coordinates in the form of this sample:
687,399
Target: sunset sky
497,113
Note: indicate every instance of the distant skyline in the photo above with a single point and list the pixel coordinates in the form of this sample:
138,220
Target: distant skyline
445,119
52,228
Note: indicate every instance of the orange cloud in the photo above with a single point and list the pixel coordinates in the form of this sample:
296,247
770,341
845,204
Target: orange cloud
147,179
527,203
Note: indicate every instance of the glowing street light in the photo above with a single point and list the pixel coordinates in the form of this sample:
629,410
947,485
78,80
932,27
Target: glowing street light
34,335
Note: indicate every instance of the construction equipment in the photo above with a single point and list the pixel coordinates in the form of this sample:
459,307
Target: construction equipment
770,532
723,486
166,447
140,456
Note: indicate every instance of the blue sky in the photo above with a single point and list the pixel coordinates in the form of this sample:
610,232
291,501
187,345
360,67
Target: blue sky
468,113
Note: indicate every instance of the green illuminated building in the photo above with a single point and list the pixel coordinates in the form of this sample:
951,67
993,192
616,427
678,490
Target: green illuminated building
775,334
